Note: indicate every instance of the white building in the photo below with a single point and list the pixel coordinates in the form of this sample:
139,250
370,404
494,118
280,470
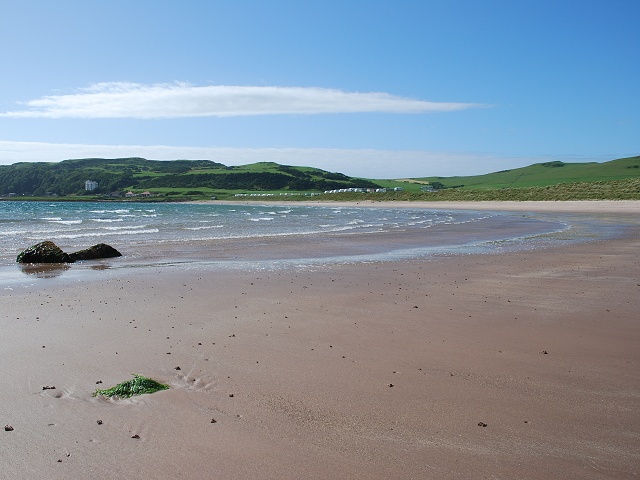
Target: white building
90,185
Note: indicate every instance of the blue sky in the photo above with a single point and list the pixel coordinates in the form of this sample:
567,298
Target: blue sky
368,88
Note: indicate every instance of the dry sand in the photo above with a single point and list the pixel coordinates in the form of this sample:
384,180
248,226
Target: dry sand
381,370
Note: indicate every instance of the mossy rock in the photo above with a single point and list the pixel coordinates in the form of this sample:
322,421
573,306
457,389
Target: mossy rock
139,385
43,252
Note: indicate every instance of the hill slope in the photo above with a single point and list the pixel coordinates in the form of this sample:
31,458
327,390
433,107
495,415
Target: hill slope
188,179
545,174
69,176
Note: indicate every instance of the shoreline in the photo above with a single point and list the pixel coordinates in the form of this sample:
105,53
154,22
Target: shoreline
591,220
566,206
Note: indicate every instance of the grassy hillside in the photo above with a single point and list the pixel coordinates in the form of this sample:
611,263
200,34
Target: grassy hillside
627,189
194,179
178,177
545,174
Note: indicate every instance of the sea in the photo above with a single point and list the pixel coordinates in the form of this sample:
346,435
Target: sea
270,236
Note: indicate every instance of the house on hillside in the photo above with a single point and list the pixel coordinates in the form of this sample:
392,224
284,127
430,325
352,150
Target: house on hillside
90,185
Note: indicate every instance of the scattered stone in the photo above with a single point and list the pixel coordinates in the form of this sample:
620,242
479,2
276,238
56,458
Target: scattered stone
99,422
213,420
482,424
544,352
8,428
98,382
48,388
178,368
231,395
391,384
136,436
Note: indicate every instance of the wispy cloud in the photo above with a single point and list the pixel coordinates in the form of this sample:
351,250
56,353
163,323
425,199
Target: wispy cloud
133,100
356,162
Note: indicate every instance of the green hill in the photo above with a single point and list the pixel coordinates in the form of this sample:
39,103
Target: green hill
177,177
192,179
544,174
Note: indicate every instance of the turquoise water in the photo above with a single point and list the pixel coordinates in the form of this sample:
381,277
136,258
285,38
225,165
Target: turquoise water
265,236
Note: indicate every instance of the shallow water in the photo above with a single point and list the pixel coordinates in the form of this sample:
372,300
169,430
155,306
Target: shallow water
272,236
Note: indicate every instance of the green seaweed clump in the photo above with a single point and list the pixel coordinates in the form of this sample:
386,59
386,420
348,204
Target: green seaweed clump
139,385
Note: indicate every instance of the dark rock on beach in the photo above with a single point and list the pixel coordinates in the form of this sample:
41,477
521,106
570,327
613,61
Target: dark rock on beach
101,250
43,252
49,252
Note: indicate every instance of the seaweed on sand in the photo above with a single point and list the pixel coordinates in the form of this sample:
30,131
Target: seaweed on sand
139,385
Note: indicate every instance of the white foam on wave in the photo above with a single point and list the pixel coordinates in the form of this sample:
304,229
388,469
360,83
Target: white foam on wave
107,220
207,227
109,211
420,222
9,233
128,227
98,234
66,222
259,219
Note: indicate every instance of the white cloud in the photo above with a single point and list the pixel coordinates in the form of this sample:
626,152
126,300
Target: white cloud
355,162
132,100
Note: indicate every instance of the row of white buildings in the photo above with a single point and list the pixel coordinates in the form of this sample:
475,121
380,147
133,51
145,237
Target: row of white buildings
364,190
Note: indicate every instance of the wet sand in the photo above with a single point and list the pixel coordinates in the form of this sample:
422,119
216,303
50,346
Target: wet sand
522,365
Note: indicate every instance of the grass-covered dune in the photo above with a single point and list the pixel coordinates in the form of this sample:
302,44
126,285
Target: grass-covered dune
628,189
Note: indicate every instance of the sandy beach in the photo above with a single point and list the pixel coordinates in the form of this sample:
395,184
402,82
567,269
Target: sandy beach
521,365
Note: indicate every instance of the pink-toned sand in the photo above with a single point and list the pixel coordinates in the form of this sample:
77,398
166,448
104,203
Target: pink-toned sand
380,370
